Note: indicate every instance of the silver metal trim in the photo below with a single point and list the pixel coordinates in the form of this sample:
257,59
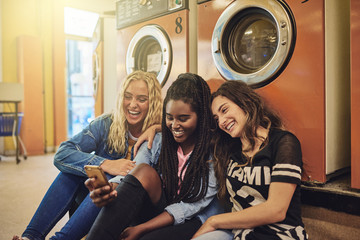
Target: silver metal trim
161,37
285,36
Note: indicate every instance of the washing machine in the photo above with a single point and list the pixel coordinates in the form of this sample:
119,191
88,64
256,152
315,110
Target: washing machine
153,36
280,49
355,93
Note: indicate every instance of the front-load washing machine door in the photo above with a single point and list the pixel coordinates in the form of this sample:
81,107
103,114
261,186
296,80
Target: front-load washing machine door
253,41
150,51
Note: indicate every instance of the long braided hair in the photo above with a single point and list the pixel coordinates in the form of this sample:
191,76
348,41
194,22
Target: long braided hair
257,113
191,89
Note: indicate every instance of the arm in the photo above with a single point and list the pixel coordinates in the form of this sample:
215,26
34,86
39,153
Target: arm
116,167
146,155
182,211
285,178
104,195
101,196
162,220
73,155
271,211
76,152
175,213
148,135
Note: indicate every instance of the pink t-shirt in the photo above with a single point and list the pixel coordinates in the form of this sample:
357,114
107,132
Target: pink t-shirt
182,160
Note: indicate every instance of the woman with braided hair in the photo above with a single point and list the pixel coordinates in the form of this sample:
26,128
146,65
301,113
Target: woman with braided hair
173,199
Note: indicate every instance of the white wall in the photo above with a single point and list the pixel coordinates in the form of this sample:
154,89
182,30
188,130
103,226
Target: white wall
110,86
337,84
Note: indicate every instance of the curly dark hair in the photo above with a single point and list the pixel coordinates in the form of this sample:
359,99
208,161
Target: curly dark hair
192,89
258,114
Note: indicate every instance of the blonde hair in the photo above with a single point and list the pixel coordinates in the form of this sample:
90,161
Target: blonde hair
119,126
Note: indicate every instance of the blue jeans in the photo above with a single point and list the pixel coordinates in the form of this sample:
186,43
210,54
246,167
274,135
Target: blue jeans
56,203
216,235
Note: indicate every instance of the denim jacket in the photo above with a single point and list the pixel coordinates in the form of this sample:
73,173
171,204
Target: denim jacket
181,211
89,147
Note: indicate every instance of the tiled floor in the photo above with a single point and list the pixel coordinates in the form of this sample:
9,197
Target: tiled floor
22,187
324,224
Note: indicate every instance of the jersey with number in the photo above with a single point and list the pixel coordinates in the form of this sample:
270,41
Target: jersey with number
280,160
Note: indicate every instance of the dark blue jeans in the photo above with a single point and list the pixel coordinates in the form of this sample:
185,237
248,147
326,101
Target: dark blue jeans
56,203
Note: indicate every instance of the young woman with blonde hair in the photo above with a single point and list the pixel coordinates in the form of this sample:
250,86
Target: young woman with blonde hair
106,142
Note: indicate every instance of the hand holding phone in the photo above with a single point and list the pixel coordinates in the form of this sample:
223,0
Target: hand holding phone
98,174
99,194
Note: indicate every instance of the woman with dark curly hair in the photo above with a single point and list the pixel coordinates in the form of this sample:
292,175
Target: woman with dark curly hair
258,166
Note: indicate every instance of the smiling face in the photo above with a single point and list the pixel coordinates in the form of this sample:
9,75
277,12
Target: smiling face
229,116
181,121
136,105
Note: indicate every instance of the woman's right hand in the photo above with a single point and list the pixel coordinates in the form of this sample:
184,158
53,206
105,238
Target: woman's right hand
148,135
131,233
118,167
205,228
103,195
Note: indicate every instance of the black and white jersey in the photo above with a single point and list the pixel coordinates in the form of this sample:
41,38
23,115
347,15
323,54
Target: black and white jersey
280,160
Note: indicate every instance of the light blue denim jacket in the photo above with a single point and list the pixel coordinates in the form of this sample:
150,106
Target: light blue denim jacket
89,147
181,211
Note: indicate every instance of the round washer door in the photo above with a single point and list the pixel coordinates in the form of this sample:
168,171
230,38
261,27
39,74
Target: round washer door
150,51
253,41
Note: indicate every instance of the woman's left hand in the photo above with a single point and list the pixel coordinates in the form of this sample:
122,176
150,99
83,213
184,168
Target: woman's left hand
103,195
118,167
131,233
205,228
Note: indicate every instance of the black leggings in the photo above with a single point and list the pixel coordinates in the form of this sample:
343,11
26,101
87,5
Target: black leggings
132,207
175,232
182,231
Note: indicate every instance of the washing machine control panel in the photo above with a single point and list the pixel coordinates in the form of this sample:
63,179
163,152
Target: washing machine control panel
130,12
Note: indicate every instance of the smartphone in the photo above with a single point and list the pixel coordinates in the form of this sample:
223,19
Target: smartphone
97,173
